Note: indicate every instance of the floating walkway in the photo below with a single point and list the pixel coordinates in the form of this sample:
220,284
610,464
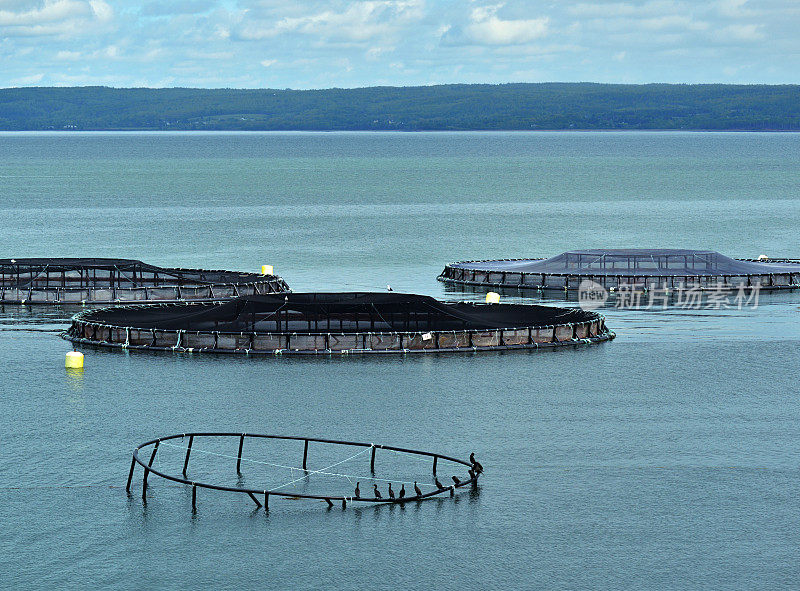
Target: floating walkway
670,269
336,323
106,281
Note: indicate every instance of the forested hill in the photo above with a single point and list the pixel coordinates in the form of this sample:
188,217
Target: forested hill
446,107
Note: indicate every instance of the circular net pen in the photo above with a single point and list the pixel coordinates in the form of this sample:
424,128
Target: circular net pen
670,269
323,323
105,281
276,466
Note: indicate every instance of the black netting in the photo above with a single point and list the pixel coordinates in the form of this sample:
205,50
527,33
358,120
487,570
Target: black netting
650,262
340,312
122,273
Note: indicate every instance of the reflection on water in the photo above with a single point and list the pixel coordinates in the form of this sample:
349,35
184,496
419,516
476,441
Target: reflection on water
74,379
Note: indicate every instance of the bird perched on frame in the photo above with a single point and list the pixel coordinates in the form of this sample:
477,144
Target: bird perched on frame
475,463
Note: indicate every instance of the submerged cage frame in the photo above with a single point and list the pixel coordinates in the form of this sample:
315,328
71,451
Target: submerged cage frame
266,493
105,281
497,278
418,333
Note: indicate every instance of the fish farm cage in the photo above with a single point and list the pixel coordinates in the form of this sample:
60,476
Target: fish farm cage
342,468
105,281
668,269
322,323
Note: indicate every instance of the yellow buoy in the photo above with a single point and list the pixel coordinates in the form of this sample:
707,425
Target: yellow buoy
266,269
74,360
492,297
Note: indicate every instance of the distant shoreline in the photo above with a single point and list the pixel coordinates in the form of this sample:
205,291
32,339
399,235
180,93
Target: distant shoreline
576,107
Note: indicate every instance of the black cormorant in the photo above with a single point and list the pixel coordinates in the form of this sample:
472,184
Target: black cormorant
475,463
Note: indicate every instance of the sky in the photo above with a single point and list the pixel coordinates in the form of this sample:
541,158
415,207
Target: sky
354,43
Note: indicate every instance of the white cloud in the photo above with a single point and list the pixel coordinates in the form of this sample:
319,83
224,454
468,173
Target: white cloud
359,21
161,8
30,80
484,27
673,22
200,54
55,17
626,9
344,64
68,56
733,33
268,63
584,10
375,53
734,9
50,12
102,10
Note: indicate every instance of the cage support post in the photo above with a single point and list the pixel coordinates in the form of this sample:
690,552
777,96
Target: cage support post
194,497
372,460
435,461
255,500
188,451
305,454
130,475
266,501
147,470
239,455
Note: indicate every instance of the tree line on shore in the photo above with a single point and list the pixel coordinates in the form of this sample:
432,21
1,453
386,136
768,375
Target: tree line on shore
545,106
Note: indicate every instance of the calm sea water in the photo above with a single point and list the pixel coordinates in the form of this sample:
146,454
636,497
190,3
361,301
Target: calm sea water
669,458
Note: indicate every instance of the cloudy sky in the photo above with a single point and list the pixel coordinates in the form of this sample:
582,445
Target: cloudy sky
348,43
